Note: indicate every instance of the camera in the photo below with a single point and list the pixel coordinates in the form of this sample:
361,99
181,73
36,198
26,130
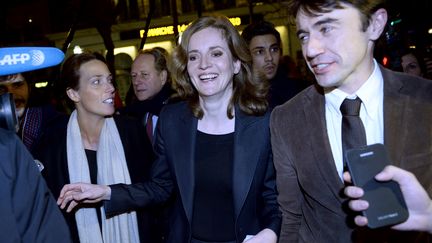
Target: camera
8,118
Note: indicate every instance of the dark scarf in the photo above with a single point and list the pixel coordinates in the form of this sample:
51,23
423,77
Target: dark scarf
154,106
30,126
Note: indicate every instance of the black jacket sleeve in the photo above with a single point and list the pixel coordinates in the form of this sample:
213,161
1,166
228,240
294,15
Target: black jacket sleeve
157,190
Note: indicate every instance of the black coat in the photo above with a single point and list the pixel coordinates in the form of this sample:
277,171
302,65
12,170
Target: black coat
28,210
139,157
139,109
254,189
283,88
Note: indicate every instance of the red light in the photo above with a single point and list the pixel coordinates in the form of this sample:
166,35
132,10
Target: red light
385,61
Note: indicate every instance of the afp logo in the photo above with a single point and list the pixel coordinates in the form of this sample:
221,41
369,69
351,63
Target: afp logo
32,57
24,59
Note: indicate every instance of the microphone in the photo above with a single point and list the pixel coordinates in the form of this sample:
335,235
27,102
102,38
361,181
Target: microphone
22,59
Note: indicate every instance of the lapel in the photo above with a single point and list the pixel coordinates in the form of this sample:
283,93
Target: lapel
318,143
394,106
183,160
314,110
245,159
248,140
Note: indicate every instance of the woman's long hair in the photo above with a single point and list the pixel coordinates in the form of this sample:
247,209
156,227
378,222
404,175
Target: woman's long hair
249,93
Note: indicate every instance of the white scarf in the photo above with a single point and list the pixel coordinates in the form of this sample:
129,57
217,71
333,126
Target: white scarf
112,168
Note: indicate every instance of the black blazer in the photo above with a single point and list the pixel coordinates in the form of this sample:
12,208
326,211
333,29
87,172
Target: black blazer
139,157
254,186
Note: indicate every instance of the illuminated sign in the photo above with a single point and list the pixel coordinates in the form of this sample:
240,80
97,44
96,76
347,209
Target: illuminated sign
169,30
41,84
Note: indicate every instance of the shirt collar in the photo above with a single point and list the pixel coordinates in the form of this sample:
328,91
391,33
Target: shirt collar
370,93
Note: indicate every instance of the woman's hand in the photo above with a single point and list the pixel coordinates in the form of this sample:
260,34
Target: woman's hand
264,236
76,193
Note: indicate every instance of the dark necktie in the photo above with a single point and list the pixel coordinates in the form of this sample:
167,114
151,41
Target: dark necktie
353,131
149,126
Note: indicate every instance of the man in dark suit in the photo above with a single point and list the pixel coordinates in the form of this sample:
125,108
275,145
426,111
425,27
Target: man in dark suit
337,40
151,86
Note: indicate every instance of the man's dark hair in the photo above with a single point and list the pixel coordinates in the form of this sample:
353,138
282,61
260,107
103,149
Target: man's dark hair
26,75
6,77
260,28
316,7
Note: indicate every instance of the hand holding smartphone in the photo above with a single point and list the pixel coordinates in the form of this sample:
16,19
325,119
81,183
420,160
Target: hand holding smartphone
386,203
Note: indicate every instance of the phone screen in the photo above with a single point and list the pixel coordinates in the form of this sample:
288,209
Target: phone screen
386,203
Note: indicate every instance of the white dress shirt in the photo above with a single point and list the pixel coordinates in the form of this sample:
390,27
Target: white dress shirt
371,113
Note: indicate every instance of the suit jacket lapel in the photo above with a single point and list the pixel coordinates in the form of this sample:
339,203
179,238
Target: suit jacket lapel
393,121
314,110
184,159
247,143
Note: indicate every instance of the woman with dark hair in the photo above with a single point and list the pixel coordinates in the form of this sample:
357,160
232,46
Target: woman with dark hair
413,63
97,148
212,149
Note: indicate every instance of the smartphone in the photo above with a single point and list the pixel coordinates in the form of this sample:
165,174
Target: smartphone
386,203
